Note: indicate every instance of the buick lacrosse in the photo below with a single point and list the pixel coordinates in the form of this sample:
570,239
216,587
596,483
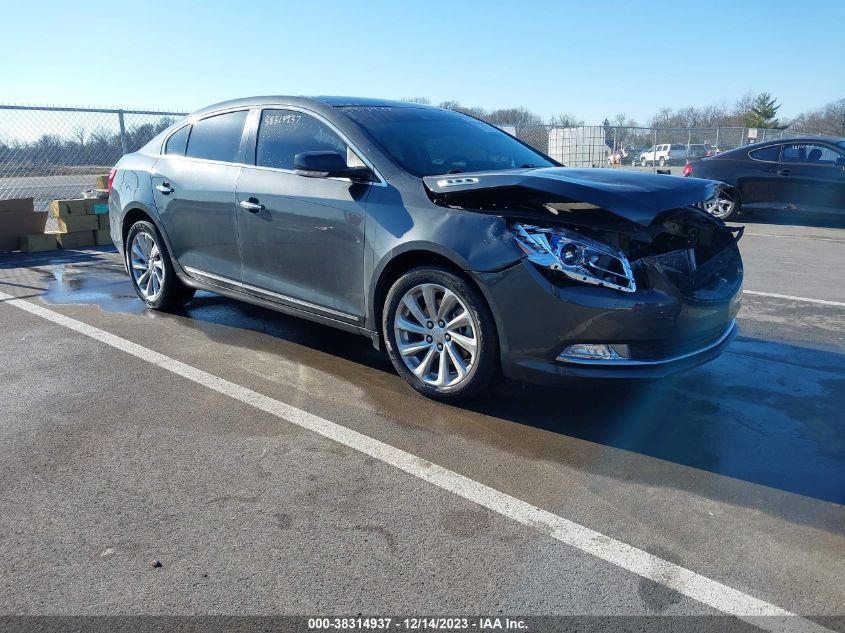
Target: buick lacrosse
464,253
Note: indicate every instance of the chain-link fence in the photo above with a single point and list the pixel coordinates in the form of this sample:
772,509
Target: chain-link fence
638,147
48,152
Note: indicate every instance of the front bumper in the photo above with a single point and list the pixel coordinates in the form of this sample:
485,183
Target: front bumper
665,331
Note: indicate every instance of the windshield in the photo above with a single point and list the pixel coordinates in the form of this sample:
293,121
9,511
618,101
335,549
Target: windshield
430,142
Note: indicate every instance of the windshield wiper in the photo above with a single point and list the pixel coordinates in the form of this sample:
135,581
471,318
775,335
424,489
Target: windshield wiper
456,171
527,166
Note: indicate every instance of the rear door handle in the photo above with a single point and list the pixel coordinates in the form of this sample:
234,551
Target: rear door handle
252,205
165,188
784,172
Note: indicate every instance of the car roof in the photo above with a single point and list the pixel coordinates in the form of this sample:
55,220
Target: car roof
779,141
317,103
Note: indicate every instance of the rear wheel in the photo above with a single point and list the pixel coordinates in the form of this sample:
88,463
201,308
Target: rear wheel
642,162
662,162
724,205
440,335
151,270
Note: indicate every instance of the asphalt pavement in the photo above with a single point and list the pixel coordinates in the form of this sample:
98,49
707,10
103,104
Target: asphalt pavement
225,459
46,188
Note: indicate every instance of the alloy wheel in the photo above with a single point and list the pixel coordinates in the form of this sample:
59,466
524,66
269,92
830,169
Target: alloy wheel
436,335
721,206
146,265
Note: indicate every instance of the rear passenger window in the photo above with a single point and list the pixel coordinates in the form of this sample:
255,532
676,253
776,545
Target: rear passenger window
766,153
809,153
679,147
178,141
282,134
217,137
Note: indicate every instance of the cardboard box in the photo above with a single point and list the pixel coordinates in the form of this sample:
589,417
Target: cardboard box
17,205
65,208
102,182
15,224
104,222
76,240
98,206
76,223
39,242
102,237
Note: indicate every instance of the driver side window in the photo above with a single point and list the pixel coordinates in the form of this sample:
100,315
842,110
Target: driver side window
282,134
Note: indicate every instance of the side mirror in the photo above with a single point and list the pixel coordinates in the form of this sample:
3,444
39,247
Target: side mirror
840,161
328,165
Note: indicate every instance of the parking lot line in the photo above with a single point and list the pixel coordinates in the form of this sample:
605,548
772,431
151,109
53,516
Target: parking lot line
705,590
822,302
796,237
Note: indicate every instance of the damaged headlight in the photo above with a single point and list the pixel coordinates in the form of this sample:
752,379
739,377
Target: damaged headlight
576,256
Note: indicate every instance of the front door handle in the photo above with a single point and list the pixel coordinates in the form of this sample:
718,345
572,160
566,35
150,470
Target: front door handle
784,172
165,188
252,205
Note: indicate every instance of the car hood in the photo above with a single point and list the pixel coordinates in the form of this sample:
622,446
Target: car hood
633,196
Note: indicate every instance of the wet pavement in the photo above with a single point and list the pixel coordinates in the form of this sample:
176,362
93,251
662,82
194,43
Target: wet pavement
735,470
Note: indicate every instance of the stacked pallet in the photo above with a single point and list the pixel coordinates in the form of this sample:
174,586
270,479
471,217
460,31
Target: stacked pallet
81,222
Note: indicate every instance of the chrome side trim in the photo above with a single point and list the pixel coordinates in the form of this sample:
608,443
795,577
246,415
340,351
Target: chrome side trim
630,362
300,302
269,293
381,181
202,273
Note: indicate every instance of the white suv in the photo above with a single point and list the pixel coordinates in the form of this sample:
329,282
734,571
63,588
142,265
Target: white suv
666,154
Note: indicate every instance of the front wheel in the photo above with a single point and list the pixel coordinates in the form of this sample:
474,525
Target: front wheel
724,205
440,335
151,270
663,162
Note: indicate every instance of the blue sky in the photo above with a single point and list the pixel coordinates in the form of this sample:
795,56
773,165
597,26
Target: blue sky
591,59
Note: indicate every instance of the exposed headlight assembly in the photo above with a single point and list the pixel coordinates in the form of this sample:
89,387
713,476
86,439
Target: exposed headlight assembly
576,256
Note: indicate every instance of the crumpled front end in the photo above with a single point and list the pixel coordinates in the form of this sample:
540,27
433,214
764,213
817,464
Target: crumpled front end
682,250
602,295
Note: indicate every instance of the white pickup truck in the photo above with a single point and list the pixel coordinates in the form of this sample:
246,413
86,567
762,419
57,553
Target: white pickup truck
665,154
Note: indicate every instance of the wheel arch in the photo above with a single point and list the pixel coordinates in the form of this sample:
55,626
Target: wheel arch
396,264
137,213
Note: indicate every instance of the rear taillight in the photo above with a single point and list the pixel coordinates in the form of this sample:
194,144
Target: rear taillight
688,169
112,174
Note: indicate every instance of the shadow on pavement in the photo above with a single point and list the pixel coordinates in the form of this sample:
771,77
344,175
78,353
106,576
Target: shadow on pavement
766,412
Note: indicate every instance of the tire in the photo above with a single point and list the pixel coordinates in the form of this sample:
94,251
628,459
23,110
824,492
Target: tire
413,335
725,205
146,251
662,162
643,162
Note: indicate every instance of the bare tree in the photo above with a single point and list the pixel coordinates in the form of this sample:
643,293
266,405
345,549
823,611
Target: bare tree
79,134
518,117
565,120
829,119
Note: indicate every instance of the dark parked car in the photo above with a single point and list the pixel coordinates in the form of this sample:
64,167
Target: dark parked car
799,174
459,249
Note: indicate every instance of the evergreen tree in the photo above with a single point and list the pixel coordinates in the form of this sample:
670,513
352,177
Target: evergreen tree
763,113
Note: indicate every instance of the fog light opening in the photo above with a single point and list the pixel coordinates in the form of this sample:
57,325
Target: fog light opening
596,351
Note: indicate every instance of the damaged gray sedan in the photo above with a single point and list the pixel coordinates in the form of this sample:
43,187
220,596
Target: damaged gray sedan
463,252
